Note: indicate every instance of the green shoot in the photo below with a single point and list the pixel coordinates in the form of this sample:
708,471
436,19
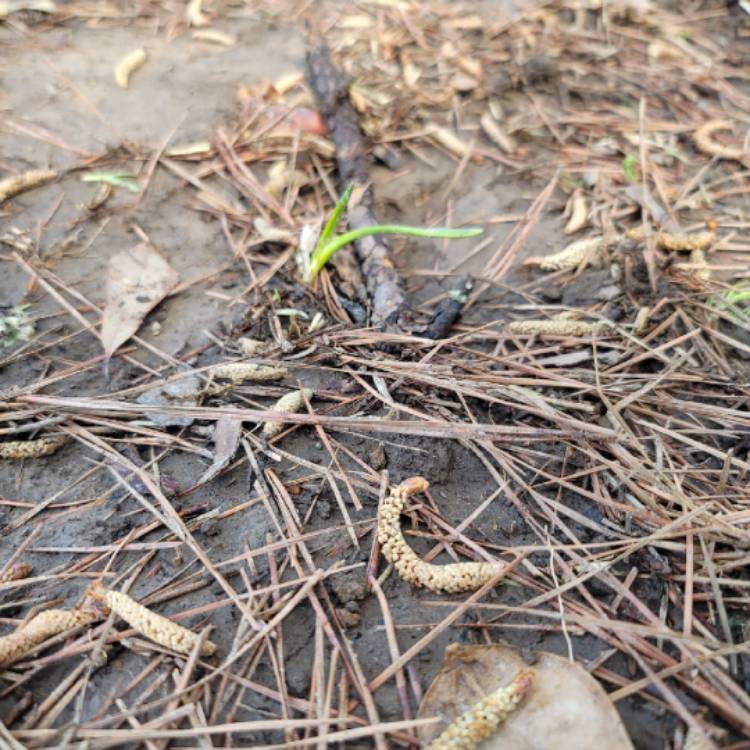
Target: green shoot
122,178
630,168
335,217
328,245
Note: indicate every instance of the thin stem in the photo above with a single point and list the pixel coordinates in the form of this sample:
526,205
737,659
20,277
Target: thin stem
322,255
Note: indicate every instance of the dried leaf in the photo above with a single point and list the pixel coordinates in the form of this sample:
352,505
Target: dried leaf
137,280
566,708
226,439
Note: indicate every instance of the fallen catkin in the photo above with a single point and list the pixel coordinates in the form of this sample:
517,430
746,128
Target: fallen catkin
238,372
38,629
704,140
676,241
20,449
697,741
290,403
157,628
15,572
574,254
451,578
484,717
11,186
555,327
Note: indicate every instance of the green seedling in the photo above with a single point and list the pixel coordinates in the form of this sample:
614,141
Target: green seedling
630,168
328,244
118,179
731,302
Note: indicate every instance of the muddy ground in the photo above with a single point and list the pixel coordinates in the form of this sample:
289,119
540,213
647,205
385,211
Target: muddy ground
58,104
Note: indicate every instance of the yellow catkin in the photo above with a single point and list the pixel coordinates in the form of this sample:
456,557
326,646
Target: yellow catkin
238,372
451,578
11,186
38,629
555,327
702,272
15,572
155,627
290,403
484,717
676,241
697,741
704,140
20,449
128,65
574,254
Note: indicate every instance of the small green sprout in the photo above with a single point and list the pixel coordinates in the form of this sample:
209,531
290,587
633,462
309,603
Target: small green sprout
630,168
117,178
328,244
731,302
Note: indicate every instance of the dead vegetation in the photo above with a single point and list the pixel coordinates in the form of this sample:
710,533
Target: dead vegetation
618,442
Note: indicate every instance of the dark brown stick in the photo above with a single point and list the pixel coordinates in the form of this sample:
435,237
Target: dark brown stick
389,306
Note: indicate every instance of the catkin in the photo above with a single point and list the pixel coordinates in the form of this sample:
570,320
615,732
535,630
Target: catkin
555,327
697,741
704,140
128,65
451,578
290,403
238,372
38,629
11,186
155,627
484,717
574,254
676,241
19,449
15,572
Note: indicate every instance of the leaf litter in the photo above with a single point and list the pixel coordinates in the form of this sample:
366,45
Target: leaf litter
610,470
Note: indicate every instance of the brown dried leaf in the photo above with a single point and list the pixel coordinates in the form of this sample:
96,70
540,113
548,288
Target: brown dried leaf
137,280
226,439
566,709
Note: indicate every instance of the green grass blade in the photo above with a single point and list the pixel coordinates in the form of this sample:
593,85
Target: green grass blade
335,217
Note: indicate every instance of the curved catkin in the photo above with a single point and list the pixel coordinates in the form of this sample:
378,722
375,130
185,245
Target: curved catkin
452,578
157,628
15,572
38,629
34,178
290,403
128,65
704,140
21,449
484,717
